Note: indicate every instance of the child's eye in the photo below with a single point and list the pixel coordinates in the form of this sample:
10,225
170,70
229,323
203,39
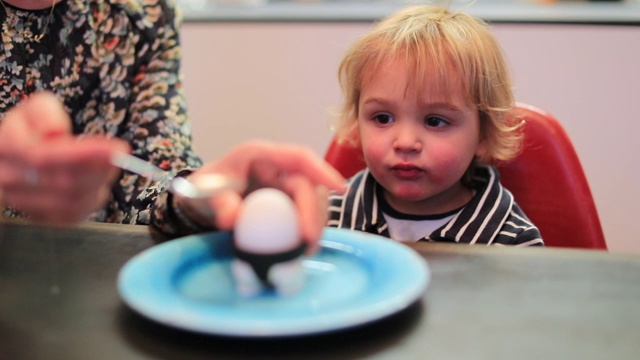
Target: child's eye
383,119
435,121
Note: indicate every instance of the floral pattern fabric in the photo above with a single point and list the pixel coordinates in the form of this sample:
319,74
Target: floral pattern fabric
115,65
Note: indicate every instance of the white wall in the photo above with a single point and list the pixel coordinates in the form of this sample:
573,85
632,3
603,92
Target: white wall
278,81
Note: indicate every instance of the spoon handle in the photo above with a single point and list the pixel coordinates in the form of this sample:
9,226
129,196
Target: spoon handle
138,166
204,187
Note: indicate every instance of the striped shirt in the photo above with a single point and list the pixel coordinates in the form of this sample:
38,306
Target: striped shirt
491,217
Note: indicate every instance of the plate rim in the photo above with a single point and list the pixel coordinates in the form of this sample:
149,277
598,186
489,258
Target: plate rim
334,321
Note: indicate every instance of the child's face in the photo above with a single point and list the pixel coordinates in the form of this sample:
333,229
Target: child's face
418,144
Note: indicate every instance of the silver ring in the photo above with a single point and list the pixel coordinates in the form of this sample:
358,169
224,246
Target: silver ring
31,176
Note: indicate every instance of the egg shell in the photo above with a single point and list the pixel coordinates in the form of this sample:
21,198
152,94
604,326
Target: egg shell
267,223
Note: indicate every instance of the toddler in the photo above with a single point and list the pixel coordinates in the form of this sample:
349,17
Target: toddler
428,99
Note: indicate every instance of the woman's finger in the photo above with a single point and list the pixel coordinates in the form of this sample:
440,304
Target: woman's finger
252,158
311,208
226,207
57,207
46,117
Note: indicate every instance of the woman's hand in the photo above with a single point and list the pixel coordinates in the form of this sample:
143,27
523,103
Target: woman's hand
45,172
293,169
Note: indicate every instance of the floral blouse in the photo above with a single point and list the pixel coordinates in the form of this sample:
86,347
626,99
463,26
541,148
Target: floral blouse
115,65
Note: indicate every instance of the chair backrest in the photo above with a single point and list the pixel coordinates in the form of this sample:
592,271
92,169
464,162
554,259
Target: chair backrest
546,179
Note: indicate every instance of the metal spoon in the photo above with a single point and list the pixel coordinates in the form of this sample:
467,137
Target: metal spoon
203,187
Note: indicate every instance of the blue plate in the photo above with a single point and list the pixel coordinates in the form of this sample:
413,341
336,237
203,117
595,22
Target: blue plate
353,279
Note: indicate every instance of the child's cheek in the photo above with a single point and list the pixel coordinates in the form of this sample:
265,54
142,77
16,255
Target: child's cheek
374,152
447,164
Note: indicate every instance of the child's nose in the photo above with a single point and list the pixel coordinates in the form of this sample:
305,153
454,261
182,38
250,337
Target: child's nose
407,139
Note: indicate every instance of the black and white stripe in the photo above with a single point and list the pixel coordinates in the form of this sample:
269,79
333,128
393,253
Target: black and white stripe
491,217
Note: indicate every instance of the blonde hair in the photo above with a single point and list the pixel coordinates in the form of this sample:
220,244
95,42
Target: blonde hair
431,37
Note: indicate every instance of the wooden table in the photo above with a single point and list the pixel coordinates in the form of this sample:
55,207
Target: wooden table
58,300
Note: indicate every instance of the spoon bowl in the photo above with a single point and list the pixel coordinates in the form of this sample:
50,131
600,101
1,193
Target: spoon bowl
204,186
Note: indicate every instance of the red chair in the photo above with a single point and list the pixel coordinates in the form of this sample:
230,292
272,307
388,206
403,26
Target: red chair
547,180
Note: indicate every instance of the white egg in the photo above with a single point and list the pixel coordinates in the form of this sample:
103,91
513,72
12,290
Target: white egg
268,223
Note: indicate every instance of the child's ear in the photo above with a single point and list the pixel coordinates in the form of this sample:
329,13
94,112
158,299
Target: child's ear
482,151
353,134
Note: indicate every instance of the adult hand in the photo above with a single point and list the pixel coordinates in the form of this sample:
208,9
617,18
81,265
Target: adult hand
294,169
46,172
